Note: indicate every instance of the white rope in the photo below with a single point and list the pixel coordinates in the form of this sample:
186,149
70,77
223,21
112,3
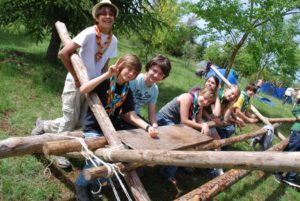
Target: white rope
96,161
47,170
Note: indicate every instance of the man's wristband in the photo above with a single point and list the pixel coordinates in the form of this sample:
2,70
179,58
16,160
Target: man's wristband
147,128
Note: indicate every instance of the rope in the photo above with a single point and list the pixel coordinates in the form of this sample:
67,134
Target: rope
96,161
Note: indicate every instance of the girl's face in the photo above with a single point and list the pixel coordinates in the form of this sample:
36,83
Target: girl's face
155,74
203,101
211,83
231,94
128,74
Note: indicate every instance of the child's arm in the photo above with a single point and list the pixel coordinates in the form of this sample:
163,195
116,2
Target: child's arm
64,54
133,118
152,114
185,104
92,84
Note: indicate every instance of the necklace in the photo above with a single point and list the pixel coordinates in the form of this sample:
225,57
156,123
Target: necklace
195,107
101,49
114,100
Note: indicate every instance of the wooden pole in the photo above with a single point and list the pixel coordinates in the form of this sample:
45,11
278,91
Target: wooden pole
219,184
96,106
286,162
18,146
223,142
62,147
283,120
96,172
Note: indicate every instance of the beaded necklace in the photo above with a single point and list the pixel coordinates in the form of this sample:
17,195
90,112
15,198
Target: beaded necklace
101,49
114,100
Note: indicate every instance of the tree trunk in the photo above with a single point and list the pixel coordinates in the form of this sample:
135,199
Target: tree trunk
235,52
53,47
283,120
213,187
18,146
286,162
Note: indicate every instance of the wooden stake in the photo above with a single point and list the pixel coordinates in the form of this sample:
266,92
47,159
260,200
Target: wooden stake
219,184
96,106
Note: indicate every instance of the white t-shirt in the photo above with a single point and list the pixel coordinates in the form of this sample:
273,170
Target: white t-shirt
142,94
289,91
86,39
298,94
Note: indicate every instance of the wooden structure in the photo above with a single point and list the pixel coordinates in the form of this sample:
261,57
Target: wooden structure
146,150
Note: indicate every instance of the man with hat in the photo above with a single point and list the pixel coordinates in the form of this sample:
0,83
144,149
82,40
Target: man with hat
96,46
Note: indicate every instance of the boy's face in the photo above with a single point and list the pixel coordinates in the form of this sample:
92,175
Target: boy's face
128,74
249,93
155,74
106,18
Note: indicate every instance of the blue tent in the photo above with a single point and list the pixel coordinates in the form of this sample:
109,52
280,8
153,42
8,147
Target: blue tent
271,89
232,77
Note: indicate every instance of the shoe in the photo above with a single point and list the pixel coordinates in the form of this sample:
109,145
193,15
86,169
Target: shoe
63,162
39,127
82,193
278,178
172,181
291,182
215,172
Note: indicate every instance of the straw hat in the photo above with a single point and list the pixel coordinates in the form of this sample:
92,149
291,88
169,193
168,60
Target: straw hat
101,3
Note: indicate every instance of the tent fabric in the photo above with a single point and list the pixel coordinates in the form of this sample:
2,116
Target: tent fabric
271,89
232,77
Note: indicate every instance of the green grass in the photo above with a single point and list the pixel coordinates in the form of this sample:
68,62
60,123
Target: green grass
30,87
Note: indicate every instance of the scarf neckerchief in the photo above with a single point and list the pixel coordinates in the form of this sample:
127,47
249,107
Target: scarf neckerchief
101,49
114,100
246,102
194,110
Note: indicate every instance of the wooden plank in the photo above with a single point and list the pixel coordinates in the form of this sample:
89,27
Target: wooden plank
170,138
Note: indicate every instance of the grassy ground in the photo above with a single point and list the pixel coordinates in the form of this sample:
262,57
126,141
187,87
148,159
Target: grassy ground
30,88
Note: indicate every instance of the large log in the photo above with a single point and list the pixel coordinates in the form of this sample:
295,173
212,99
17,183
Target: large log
102,171
18,146
63,146
210,189
286,162
96,106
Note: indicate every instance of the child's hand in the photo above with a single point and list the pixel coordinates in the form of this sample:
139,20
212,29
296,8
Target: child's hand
153,132
113,70
205,129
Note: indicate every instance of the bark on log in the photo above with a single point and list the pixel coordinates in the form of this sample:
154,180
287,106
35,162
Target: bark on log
283,120
62,147
18,146
102,171
286,162
219,184
108,130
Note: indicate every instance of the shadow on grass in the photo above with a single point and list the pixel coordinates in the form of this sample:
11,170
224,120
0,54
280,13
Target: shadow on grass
56,172
277,193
